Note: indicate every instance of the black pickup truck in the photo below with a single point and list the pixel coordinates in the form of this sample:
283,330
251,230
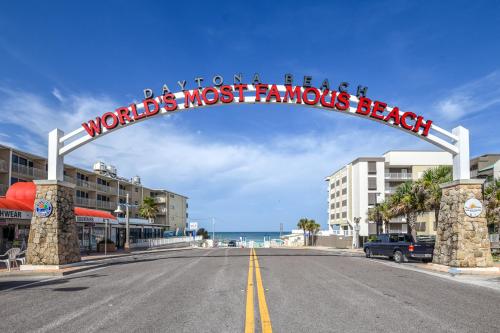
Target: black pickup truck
399,247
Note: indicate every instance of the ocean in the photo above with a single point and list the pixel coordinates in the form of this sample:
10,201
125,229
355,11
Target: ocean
250,235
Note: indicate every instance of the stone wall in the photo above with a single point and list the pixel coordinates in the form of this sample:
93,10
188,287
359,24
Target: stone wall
339,242
53,240
461,241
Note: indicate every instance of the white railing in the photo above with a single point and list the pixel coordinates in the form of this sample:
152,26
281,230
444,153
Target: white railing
398,175
29,171
105,204
390,189
86,184
160,200
342,232
155,242
3,166
69,179
123,192
85,202
103,188
3,189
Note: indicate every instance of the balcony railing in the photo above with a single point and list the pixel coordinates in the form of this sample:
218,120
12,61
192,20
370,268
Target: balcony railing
69,179
398,175
123,192
105,204
85,184
390,189
103,188
160,200
162,210
29,171
4,166
85,202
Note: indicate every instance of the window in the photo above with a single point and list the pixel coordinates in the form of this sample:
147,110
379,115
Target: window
102,197
171,195
332,206
82,194
420,226
337,204
82,177
14,180
372,183
344,215
344,180
337,216
337,183
372,199
344,191
344,203
338,194
372,168
136,190
332,216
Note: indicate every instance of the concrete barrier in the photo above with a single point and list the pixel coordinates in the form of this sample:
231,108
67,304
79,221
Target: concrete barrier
339,242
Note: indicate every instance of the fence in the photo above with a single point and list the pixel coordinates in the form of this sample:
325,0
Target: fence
156,242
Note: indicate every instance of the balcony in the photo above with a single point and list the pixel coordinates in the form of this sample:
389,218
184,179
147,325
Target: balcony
85,202
390,189
69,179
123,192
398,176
4,167
85,184
105,204
160,200
29,171
103,188
162,210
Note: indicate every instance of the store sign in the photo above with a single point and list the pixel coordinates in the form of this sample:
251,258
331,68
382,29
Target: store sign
336,98
15,214
193,225
91,219
43,208
473,207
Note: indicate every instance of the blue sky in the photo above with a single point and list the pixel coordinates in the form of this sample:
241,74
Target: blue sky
252,167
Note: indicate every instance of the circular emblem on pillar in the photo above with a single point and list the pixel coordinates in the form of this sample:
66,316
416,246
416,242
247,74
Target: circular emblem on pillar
473,207
43,208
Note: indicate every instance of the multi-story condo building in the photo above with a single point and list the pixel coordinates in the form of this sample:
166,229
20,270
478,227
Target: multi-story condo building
366,181
485,166
100,188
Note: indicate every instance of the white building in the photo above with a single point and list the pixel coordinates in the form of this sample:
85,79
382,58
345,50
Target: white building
359,185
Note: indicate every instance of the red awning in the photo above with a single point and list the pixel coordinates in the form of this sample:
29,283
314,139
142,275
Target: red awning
21,197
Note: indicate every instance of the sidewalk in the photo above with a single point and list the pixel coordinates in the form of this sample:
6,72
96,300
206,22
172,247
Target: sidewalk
90,261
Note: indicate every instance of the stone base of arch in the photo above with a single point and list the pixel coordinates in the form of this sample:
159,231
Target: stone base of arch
53,240
461,241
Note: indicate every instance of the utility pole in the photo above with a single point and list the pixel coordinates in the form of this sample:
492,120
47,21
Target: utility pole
127,230
281,229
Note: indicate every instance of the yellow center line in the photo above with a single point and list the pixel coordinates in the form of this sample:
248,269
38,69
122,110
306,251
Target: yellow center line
264,313
249,321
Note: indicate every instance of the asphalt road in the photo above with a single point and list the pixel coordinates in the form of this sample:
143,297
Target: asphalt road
205,291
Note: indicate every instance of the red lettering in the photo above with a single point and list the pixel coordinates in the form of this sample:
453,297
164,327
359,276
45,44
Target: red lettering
378,107
137,116
364,106
405,115
190,98
240,87
273,92
292,93
260,89
394,115
105,118
147,110
124,115
419,123
305,95
330,104
207,99
342,101
227,95
170,102
92,127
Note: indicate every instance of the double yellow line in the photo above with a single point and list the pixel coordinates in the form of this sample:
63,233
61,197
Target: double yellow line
264,313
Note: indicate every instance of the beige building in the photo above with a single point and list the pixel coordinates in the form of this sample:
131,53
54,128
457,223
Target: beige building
100,188
485,166
367,181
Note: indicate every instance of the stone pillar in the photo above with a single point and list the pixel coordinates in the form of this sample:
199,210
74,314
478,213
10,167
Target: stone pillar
53,240
461,240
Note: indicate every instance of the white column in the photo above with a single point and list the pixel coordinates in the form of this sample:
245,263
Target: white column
461,162
55,161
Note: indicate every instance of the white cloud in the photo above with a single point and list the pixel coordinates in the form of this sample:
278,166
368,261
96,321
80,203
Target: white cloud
471,98
57,94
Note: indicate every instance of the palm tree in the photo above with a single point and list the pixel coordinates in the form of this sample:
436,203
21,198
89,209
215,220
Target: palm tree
429,184
148,209
302,224
492,203
381,211
313,228
408,200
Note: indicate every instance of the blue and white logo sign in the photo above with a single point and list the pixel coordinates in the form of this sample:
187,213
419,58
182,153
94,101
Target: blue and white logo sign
43,208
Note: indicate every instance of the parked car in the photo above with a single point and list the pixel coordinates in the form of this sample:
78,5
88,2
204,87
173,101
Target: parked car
232,243
400,247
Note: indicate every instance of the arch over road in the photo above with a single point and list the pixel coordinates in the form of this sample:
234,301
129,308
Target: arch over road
455,142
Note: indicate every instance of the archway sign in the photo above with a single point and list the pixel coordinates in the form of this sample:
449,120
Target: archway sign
339,99
461,241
